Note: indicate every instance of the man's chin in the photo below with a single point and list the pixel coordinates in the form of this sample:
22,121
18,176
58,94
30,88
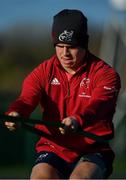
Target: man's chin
68,66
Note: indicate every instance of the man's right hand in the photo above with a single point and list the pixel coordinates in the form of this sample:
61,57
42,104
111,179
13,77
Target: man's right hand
11,125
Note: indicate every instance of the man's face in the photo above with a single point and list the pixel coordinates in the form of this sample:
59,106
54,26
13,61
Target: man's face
70,57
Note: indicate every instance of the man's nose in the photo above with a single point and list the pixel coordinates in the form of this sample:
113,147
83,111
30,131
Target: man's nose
65,51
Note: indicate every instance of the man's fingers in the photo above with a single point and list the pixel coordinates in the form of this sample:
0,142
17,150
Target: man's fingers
70,125
67,129
14,113
11,125
62,131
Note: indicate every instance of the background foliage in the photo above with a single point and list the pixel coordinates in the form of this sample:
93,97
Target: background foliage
22,48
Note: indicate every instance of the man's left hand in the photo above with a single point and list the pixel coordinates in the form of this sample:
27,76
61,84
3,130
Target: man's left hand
70,125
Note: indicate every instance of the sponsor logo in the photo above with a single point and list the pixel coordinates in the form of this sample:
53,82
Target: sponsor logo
66,36
55,81
83,94
110,88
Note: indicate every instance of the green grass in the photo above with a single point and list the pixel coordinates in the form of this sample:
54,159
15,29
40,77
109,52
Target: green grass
119,169
15,172
23,172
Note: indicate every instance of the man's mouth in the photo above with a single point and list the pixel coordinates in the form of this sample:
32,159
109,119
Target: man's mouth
67,60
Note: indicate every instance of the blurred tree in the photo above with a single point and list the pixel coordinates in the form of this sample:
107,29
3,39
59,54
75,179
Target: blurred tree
23,46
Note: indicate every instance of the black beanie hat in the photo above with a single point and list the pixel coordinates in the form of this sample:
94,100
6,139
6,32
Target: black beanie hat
70,27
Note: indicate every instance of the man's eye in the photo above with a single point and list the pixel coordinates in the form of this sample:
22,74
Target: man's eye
68,47
60,46
72,47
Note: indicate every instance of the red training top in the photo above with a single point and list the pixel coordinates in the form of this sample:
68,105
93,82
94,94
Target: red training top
90,95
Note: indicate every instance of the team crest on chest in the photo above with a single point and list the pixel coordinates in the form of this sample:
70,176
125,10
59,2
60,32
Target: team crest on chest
85,82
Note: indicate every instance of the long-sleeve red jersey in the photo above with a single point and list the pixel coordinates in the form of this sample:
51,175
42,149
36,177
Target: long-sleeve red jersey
90,95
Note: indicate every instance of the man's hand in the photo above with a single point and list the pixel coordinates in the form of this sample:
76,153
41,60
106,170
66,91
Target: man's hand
11,125
70,125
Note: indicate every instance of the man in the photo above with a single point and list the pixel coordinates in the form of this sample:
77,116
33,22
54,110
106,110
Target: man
79,90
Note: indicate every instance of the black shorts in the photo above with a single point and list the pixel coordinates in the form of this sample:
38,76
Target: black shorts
64,168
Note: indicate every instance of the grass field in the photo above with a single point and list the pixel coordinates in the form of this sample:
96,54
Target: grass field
23,172
119,169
